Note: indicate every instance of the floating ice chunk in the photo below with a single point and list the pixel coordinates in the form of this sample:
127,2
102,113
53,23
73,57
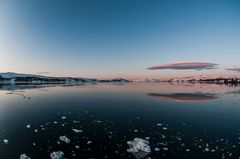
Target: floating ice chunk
63,117
89,142
24,156
57,155
156,149
77,131
165,148
28,126
158,124
206,149
64,139
5,141
138,145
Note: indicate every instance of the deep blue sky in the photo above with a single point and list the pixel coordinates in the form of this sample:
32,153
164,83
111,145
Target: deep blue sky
117,38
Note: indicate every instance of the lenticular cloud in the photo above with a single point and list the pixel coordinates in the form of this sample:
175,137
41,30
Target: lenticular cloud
185,65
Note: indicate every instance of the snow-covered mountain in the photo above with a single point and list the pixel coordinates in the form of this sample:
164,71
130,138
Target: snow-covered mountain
14,75
206,79
16,78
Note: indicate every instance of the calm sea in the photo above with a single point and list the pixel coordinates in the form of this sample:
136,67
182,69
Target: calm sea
195,121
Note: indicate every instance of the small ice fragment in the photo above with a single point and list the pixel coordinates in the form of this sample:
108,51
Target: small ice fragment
206,149
158,124
135,130
36,130
64,139
24,156
55,122
77,131
28,126
63,117
98,121
165,148
147,138
5,141
187,150
156,149
139,145
77,147
164,128
89,142
57,155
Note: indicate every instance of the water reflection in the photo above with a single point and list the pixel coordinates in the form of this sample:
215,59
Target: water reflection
185,97
234,92
21,87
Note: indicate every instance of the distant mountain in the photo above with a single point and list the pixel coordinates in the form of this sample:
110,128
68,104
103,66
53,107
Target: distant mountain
14,75
16,78
206,79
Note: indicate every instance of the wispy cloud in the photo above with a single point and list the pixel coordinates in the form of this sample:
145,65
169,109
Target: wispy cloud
185,65
237,69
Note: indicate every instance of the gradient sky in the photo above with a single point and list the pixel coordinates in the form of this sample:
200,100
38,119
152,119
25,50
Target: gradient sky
118,38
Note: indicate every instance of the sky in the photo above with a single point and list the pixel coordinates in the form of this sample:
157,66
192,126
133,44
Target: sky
132,39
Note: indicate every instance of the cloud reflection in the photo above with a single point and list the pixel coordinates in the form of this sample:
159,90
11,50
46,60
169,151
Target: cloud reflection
185,97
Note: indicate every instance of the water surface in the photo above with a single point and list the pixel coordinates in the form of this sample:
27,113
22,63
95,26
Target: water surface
178,120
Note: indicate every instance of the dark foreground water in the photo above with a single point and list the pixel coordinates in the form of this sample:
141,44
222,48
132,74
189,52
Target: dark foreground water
179,121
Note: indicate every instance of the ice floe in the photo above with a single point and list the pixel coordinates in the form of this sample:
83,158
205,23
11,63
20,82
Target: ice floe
64,139
5,141
57,155
77,131
156,149
24,156
89,142
139,145
165,148
63,117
